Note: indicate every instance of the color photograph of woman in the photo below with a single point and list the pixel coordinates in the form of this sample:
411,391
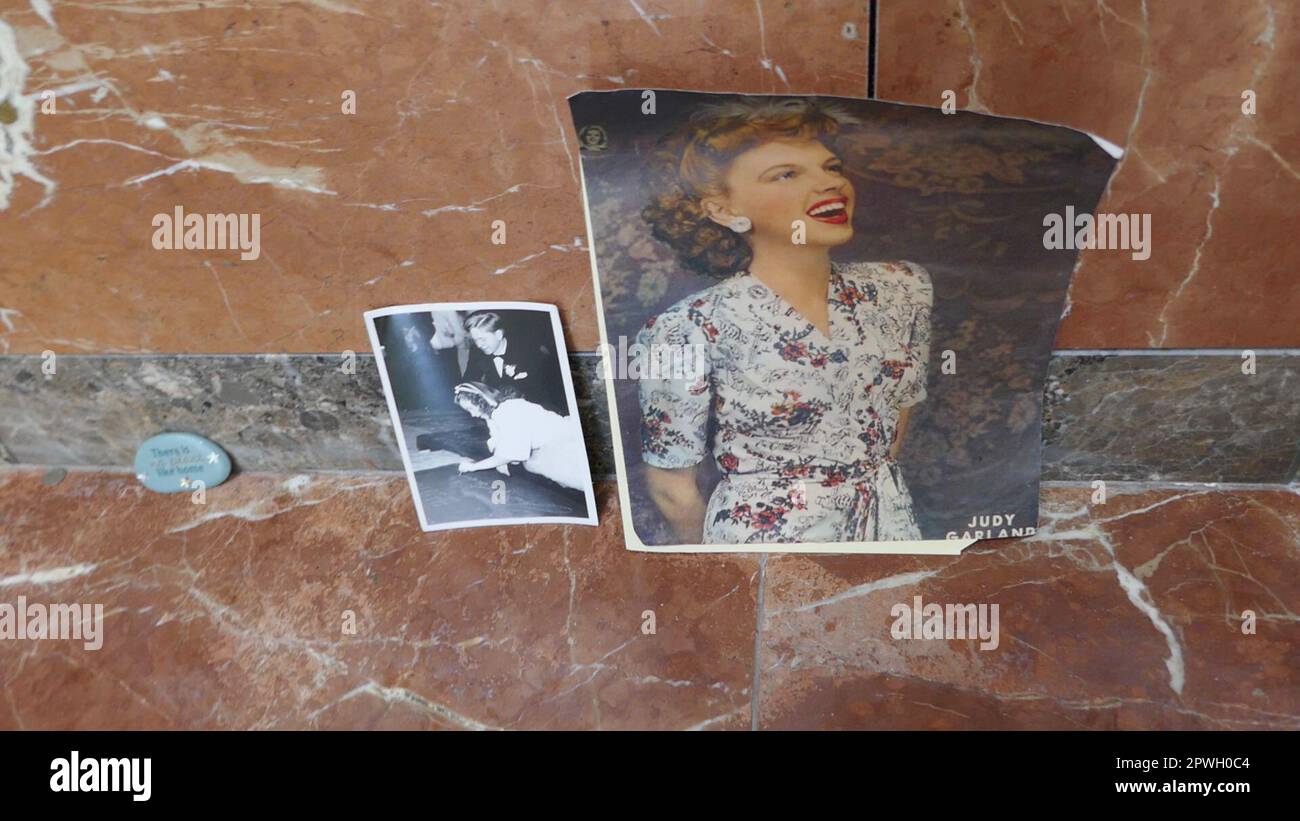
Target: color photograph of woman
813,365
806,247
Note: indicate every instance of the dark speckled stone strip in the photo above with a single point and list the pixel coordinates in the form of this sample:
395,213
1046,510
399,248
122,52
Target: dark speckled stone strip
271,413
1174,417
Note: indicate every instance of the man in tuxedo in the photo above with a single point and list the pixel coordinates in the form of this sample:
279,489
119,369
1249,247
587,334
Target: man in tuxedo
508,352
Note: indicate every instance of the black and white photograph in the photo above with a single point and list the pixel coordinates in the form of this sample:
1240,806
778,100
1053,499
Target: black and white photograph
827,320
484,412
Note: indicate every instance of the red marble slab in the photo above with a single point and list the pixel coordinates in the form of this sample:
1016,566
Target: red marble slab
1164,80
231,614
1126,615
460,120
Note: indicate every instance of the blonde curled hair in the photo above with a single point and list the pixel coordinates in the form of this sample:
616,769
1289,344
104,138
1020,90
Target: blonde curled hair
690,165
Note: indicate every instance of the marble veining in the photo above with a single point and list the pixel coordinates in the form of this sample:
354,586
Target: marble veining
233,614
1170,87
377,184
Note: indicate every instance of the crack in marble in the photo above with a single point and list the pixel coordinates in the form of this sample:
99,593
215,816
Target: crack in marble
1241,131
1140,596
246,169
43,11
521,261
174,7
254,511
724,51
49,575
1273,153
1074,675
17,137
1103,10
1017,27
709,722
6,315
939,709
206,142
649,21
1148,72
1148,568
99,672
409,698
887,583
1216,567
474,206
973,102
765,60
225,298
1195,267
1134,588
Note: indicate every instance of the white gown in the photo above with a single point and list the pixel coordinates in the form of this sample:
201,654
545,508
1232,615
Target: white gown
545,442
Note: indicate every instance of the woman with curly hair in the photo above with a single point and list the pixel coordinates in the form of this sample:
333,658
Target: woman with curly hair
812,365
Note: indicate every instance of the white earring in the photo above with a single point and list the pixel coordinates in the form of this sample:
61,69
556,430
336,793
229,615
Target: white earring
740,224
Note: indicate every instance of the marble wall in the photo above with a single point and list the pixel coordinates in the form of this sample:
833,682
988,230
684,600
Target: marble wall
225,107
460,120
1165,80
1125,615
1118,615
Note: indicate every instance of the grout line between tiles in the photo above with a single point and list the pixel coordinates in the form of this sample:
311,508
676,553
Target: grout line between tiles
873,45
1125,484
1061,352
758,644
1233,352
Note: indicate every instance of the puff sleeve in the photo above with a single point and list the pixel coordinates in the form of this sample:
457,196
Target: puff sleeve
674,386
512,426
918,293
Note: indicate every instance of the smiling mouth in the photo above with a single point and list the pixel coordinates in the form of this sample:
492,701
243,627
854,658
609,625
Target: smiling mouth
835,212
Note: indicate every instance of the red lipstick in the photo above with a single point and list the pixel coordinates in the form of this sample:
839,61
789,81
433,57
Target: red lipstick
834,211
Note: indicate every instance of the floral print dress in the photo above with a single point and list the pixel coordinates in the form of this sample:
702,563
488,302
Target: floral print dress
804,422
